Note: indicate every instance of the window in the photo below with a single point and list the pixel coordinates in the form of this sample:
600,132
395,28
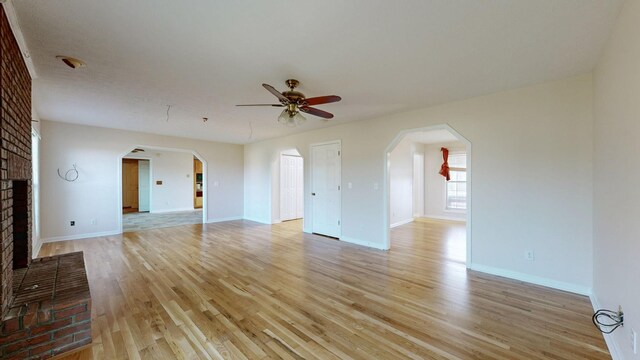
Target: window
456,188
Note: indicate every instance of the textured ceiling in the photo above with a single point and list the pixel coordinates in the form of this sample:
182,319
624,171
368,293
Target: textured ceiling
202,57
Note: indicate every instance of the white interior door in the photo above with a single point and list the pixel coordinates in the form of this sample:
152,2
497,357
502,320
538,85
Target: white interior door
144,185
291,187
325,189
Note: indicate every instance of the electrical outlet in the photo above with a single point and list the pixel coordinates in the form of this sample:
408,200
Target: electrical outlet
94,221
634,342
72,223
529,255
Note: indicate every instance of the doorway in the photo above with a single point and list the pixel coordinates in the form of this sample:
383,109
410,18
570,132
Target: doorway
130,186
415,191
291,186
161,187
326,189
136,185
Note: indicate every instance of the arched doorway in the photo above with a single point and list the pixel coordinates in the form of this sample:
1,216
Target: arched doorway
434,135
197,183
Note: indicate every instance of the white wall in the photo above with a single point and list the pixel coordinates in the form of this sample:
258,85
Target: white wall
617,176
435,200
542,134
418,181
401,183
97,152
175,170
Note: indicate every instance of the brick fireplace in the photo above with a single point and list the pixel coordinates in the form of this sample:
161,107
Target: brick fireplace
45,303
15,156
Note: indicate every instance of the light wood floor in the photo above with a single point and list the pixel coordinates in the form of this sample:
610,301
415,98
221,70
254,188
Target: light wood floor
249,291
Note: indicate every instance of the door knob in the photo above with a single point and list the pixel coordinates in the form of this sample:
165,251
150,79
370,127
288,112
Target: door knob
313,194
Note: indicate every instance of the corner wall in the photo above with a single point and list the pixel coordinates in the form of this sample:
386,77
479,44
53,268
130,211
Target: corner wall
532,178
401,183
616,178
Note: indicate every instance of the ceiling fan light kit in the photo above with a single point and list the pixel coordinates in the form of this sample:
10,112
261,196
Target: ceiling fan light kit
291,119
295,102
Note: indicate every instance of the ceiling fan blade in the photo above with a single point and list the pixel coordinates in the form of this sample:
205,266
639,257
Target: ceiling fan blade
276,105
322,100
316,112
283,99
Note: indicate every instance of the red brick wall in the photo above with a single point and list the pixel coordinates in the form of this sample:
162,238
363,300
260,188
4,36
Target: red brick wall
39,333
15,148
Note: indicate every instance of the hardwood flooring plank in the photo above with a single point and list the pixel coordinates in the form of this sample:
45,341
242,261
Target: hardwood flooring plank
243,290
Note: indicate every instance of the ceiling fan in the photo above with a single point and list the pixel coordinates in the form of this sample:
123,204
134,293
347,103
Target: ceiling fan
295,102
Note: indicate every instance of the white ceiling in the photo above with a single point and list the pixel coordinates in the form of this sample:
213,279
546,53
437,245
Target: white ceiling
202,57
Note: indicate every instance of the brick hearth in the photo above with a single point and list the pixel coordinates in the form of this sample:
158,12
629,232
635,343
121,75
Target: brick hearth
51,312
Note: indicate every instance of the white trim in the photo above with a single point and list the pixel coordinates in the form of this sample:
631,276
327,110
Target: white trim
368,244
81,236
402,222
172,210
612,345
12,16
515,275
232,218
36,245
386,218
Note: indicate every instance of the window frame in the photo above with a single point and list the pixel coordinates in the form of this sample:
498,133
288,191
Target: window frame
446,184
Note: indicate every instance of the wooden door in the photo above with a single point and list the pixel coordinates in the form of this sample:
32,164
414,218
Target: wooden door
130,183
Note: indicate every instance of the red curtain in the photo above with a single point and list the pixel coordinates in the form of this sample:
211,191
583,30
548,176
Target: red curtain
444,169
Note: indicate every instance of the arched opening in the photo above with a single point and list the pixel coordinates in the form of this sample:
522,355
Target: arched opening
166,196
415,191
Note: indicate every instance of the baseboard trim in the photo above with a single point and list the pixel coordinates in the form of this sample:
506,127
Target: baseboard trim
232,218
515,275
614,350
447,218
80,236
256,220
401,222
362,243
